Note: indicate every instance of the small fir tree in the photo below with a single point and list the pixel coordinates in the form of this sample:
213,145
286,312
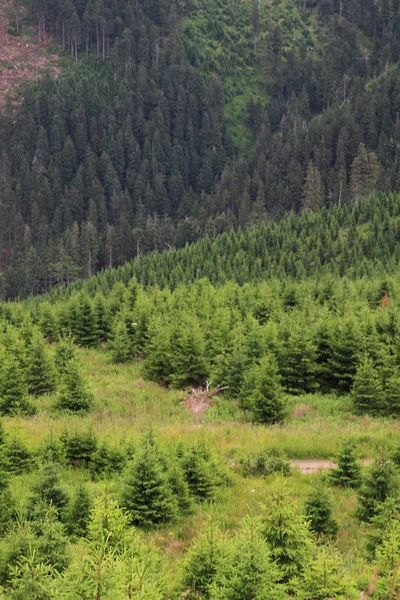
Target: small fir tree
386,512
348,472
86,326
298,362
203,561
40,372
120,346
74,395
30,578
286,532
79,514
188,364
388,558
392,395
52,542
324,578
108,525
318,511
18,456
262,392
380,483
180,488
13,389
248,571
198,473
367,392
148,495
65,353
48,490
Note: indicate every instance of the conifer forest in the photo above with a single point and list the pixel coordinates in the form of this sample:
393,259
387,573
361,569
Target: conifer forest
200,299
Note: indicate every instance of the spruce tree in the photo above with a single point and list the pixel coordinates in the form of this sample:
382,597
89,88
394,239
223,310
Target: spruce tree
86,328
387,555
297,362
367,391
6,500
348,472
65,353
48,490
262,392
79,514
203,560
30,578
318,511
198,473
286,533
380,483
248,571
344,356
392,395
324,578
13,389
180,488
147,494
18,456
74,395
52,543
385,513
120,346
188,364
40,374
313,190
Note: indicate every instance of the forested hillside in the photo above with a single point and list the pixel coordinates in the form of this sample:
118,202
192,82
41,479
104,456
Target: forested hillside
175,120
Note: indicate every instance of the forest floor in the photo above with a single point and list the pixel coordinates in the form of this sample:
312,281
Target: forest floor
22,56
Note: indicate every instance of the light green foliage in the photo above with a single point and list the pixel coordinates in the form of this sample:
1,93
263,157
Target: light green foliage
31,579
108,524
324,578
147,494
247,570
262,392
65,353
386,512
120,345
286,532
204,560
388,558
74,395
380,483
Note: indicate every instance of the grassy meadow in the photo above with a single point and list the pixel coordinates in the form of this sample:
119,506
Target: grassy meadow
126,406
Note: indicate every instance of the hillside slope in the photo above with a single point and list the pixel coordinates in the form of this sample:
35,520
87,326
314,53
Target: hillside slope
175,122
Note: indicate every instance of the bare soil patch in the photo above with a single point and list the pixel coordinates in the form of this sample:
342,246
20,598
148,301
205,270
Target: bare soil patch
308,467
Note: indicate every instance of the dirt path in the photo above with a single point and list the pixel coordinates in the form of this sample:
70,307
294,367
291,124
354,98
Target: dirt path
308,467
22,58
